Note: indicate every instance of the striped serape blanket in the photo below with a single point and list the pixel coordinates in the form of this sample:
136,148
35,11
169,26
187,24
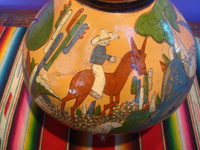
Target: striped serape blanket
23,125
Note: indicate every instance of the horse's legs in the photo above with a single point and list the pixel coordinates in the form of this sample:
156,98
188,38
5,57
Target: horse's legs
112,104
117,98
107,106
64,100
78,102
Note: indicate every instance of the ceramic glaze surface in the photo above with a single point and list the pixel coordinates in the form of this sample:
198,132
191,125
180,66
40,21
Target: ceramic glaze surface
109,72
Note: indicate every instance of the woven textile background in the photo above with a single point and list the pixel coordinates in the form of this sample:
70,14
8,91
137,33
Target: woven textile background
23,125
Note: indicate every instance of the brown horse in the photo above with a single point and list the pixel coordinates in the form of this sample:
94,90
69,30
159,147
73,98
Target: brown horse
82,82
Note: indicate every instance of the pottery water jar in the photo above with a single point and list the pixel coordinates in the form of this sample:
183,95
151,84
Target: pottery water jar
109,66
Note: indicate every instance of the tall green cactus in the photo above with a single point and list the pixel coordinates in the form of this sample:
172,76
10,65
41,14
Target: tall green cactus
158,100
137,99
98,110
78,112
146,89
134,85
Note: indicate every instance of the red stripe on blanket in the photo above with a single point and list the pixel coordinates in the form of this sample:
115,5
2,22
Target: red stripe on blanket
2,29
13,111
103,142
54,135
152,138
8,104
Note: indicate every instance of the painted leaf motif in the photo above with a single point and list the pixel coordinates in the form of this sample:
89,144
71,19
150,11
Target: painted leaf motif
41,90
133,121
155,23
41,29
171,16
32,65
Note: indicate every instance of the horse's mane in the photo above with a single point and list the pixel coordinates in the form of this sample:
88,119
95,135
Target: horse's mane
124,61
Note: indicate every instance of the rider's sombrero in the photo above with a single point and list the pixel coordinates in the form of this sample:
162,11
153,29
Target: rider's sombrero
103,37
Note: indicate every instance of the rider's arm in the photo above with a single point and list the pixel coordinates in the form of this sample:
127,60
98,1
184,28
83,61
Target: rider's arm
101,53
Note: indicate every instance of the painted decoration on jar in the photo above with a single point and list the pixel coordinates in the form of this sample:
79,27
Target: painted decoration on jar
109,72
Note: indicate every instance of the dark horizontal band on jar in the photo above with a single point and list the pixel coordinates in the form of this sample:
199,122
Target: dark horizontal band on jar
118,5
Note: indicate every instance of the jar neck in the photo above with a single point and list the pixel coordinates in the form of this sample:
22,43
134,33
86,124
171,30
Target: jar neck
118,5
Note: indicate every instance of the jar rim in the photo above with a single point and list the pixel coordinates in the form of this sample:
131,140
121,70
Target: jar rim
118,5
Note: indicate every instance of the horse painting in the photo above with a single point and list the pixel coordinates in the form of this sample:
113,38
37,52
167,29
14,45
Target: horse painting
82,82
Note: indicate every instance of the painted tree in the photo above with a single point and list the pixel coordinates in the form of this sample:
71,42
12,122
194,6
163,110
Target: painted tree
155,23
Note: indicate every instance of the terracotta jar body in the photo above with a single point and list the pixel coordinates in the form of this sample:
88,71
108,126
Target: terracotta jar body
109,66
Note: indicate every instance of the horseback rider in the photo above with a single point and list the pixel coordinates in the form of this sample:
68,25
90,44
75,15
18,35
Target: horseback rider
98,58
